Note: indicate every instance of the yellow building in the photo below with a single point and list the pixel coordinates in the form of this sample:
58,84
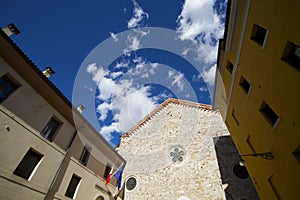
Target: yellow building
47,149
258,91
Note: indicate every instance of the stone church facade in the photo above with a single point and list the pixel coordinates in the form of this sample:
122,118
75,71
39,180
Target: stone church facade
182,151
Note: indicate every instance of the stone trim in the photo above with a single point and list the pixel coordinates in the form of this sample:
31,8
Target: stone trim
189,104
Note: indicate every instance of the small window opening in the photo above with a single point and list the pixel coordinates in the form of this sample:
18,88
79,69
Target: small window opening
234,117
107,171
296,154
229,67
28,164
291,55
84,156
50,130
245,85
73,186
7,87
259,34
269,114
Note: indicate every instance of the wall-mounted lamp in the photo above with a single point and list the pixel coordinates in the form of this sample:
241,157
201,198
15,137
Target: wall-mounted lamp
267,156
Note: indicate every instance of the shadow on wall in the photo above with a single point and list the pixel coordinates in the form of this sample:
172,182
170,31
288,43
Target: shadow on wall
235,178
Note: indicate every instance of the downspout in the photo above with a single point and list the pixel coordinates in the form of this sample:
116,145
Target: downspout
48,195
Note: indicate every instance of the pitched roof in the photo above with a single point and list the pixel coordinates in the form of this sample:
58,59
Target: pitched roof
164,104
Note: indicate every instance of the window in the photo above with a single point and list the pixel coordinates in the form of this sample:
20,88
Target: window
250,144
50,129
84,156
229,67
73,186
28,164
131,183
245,85
291,55
107,171
7,87
259,34
269,114
234,117
271,183
296,154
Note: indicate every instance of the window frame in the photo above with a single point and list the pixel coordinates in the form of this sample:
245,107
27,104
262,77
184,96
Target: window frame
85,155
73,191
27,160
9,81
296,154
242,85
51,135
264,108
108,168
256,33
229,66
289,55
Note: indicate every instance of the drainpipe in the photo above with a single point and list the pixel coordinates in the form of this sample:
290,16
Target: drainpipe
50,193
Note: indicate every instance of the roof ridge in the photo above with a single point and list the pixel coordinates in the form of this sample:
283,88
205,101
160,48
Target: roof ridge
163,105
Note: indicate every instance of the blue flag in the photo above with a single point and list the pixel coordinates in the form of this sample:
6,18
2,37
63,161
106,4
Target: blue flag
118,175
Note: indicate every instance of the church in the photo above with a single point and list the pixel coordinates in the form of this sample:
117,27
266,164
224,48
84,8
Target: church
182,150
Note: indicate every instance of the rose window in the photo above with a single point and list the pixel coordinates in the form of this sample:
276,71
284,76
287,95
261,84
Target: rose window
177,154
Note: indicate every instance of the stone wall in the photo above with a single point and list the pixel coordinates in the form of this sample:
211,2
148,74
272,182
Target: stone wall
150,148
182,152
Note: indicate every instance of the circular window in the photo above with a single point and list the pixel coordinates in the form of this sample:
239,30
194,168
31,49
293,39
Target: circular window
100,198
240,171
131,183
177,154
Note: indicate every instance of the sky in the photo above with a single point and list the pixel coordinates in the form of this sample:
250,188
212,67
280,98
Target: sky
122,58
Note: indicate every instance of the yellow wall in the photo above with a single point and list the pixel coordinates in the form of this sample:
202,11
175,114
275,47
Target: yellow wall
277,83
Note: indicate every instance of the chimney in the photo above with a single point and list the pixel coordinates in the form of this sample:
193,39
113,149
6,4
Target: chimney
10,30
48,72
80,108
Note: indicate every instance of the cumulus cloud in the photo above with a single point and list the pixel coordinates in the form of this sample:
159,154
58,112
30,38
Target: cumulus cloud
129,102
137,21
202,24
209,74
138,15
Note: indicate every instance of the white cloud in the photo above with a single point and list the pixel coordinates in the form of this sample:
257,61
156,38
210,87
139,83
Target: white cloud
123,64
209,74
114,36
129,102
198,16
199,24
203,89
178,79
103,110
138,15
133,41
115,74
170,73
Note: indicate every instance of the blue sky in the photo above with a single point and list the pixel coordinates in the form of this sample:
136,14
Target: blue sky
122,58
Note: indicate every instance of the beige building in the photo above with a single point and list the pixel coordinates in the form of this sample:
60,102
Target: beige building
47,149
182,150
